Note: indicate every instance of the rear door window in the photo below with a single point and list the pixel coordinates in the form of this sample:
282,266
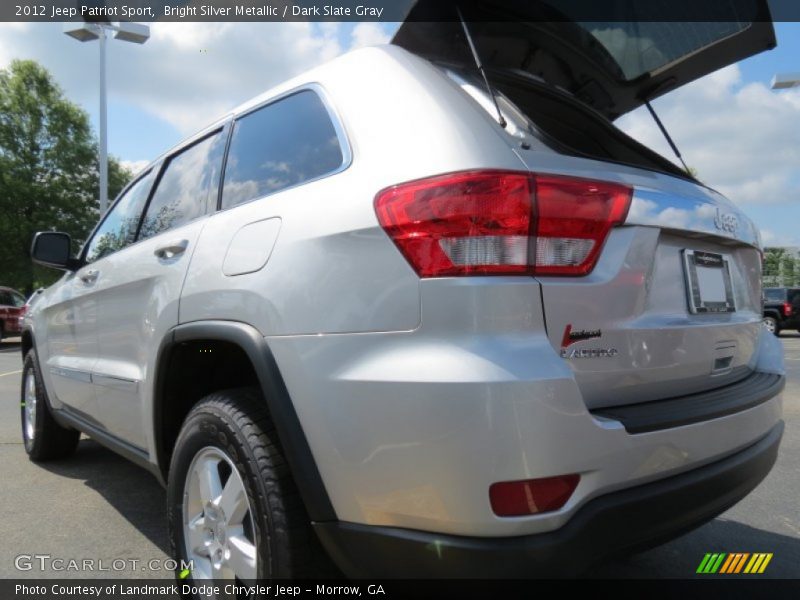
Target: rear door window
187,188
283,144
774,295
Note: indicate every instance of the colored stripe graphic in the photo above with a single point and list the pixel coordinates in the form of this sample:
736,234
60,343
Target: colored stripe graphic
741,562
711,562
729,563
758,563
765,563
703,563
735,562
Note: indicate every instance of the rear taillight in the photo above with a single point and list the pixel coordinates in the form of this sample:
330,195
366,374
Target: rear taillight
787,309
501,222
532,496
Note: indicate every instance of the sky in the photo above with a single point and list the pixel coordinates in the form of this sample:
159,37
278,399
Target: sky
741,137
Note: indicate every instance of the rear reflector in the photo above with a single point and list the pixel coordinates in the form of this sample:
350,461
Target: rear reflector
532,496
501,222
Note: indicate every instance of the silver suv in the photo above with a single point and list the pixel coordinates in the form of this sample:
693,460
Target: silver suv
369,314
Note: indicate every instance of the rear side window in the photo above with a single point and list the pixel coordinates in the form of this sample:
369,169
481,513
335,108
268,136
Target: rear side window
187,188
119,227
278,146
775,295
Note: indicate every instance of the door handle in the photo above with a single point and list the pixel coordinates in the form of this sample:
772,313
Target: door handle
89,276
172,249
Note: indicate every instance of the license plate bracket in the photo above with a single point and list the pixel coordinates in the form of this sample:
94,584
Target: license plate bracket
709,288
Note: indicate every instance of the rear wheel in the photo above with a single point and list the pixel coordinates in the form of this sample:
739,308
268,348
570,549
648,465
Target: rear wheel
234,510
44,438
772,325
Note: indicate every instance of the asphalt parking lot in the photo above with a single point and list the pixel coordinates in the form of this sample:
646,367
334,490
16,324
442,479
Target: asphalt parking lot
97,505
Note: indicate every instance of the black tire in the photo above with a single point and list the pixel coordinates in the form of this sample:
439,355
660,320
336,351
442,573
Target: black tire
237,423
50,440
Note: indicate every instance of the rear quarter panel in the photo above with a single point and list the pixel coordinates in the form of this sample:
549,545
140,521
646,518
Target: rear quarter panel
332,268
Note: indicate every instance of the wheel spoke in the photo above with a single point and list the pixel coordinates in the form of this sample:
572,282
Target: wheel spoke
223,575
195,536
242,559
208,478
233,501
201,568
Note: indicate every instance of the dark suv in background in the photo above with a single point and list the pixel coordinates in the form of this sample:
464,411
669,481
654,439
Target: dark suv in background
781,309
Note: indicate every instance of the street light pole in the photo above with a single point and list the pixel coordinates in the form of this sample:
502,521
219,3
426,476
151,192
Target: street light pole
87,32
103,126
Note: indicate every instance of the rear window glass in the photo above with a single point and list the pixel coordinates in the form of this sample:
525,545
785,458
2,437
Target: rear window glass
775,295
278,146
567,126
641,47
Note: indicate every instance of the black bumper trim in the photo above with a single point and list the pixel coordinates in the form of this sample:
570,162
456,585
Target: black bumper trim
631,519
643,417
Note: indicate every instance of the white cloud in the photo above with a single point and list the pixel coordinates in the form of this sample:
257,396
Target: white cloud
770,238
369,34
134,166
741,138
187,73
198,71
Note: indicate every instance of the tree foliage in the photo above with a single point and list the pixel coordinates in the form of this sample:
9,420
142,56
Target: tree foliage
49,171
781,269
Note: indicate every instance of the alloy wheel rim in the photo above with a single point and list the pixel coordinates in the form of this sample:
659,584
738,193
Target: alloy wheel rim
30,406
770,325
218,532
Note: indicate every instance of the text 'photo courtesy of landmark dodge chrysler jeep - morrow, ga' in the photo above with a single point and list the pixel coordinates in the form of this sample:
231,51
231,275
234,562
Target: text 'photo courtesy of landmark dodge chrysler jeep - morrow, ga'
366,315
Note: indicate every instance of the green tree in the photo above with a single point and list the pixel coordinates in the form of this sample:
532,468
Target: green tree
772,266
48,170
788,269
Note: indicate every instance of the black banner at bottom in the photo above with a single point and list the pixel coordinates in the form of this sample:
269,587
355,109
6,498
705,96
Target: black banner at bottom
154,589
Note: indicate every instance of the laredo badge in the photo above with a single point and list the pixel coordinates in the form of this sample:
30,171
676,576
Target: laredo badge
578,335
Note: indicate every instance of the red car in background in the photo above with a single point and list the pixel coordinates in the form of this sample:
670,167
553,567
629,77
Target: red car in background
12,307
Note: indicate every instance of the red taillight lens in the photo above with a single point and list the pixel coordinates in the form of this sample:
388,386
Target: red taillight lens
533,496
461,224
501,222
787,309
574,218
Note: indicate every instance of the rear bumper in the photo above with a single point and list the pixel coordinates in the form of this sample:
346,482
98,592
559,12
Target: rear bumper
615,523
755,389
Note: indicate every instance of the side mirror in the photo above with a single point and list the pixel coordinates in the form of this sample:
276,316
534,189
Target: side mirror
53,249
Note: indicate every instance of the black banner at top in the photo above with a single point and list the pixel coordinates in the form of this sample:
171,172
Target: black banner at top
397,10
